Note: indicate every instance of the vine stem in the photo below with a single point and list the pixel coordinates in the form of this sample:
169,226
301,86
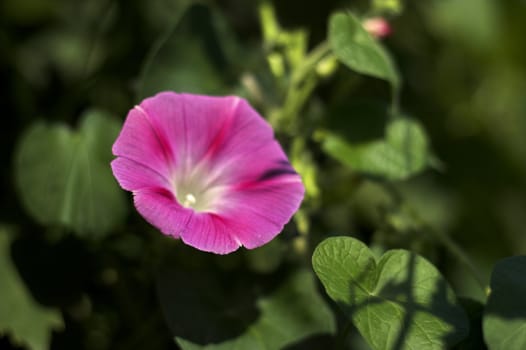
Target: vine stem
454,249
342,337
310,61
105,18
303,82
157,46
394,110
446,241
461,255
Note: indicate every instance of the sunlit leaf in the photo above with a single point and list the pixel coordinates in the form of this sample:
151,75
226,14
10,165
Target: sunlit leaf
403,153
398,302
358,50
25,322
64,176
504,321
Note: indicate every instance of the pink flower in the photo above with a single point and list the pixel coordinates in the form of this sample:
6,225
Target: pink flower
377,26
207,170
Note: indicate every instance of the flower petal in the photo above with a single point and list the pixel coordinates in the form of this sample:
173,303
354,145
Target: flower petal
265,161
241,137
243,133
189,124
259,210
140,141
243,150
160,209
133,176
204,231
210,233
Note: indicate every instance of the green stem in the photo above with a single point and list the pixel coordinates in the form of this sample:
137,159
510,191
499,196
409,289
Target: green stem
342,337
461,255
310,61
395,103
302,84
105,15
454,249
157,46
296,98
446,241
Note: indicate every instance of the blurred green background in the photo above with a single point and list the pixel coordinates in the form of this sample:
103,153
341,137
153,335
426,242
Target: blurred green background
463,66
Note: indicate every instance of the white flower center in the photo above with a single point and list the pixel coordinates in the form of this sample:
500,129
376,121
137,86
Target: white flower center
194,191
189,200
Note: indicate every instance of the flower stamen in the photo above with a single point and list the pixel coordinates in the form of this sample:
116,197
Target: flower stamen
189,200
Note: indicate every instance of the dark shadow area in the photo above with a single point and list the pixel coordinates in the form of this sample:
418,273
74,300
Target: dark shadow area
71,334
201,22
204,303
359,120
508,294
475,339
199,308
448,312
41,266
5,344
307,14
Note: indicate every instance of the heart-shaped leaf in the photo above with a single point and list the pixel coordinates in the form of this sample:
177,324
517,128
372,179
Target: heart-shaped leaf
355,48
403,153
504,321
64,176
24,320
398,302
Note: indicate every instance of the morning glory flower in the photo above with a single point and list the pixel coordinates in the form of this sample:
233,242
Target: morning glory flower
207,170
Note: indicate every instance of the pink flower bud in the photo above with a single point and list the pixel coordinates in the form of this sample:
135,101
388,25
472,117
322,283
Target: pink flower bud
377,26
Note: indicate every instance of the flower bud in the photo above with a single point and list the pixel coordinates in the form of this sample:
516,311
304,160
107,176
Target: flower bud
377,26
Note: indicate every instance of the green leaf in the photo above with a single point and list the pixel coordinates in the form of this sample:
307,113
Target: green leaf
26,322
398,302
355,48
402,154
64,176
504,322
231,317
